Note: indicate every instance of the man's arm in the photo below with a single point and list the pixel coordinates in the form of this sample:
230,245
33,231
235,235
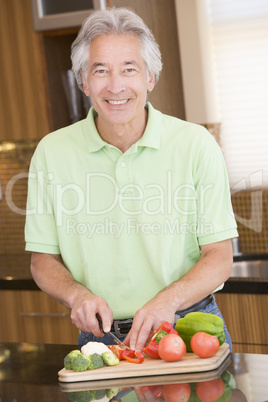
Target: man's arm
213,268
53,278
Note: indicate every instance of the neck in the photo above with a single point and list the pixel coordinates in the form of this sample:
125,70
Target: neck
122,136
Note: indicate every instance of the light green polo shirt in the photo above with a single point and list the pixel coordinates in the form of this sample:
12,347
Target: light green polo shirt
128,224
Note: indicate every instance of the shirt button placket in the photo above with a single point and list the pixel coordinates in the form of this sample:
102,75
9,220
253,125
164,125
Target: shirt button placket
122,174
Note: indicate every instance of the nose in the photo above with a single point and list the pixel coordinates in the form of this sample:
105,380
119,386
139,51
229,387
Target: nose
116,84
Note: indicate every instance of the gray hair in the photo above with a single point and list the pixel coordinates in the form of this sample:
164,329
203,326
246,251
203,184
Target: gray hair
118,21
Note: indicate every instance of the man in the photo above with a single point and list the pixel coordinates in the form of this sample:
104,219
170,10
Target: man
129,216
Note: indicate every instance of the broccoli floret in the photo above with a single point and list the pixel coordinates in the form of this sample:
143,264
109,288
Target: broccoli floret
80,363
69,358
160,335
95,361
112,392
100,394
81,396
110,358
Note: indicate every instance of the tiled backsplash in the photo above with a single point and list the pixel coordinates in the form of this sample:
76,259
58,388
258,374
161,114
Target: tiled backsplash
14,165
251,209
251,212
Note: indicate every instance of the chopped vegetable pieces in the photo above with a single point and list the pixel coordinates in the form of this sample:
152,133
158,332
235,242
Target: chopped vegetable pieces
80,363
69,359
151,348
110,358
95,361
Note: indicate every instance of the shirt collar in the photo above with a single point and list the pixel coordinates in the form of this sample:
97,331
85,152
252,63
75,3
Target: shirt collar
150,138
151,135
93,139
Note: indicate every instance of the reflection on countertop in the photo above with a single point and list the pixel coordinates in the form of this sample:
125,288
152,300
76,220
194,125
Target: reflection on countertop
29,372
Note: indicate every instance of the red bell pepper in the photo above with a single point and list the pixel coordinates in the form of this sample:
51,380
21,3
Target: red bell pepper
156,390
133,356
151,348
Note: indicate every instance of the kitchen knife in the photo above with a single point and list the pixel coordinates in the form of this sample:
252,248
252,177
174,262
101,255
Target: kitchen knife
111,335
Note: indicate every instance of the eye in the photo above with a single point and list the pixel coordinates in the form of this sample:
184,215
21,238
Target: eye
100,71
130,70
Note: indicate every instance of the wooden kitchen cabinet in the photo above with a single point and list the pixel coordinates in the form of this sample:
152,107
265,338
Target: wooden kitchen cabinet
24,106
246,318
33,316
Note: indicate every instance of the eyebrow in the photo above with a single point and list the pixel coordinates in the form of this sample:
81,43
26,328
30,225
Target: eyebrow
125,63
95,65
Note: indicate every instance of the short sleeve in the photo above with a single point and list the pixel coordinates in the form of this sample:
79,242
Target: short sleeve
40,227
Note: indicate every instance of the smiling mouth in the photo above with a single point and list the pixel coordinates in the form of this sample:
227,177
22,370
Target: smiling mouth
119,102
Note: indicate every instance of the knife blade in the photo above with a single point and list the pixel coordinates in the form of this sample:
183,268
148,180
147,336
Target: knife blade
111,335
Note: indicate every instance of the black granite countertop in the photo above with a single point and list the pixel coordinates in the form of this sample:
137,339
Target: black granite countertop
29,372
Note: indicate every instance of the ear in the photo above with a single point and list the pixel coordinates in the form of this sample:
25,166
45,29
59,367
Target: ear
151,82
85,86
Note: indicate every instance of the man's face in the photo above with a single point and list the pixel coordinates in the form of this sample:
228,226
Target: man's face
117,81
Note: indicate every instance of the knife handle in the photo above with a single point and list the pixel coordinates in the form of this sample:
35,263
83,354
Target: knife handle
100,322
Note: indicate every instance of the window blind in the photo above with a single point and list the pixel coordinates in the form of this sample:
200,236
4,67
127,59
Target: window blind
239,35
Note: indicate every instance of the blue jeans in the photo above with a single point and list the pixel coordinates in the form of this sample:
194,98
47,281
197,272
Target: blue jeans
211,308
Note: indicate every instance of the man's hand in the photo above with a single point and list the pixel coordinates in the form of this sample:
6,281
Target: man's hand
149,318
53,277
84,313
213,268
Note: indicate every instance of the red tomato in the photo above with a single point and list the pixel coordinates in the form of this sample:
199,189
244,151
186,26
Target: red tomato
204,345
176,392
210,391
171,348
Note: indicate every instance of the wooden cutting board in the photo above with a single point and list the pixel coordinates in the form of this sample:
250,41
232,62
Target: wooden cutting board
190,363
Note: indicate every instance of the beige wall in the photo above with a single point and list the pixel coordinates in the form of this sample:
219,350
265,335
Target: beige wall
160,16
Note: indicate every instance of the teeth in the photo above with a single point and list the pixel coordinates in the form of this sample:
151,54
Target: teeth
121,102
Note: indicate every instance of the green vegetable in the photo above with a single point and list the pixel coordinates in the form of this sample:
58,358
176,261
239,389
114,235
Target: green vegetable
111,392
95,361
81,396
160,335
69,359
100,394
110,358
200,322
80,363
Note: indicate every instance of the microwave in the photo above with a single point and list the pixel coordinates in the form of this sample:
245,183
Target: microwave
58,14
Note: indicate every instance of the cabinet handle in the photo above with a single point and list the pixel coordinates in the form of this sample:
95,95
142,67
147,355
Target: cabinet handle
36,314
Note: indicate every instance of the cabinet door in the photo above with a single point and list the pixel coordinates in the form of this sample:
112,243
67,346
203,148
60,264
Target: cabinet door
24,109
32,316
246,318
